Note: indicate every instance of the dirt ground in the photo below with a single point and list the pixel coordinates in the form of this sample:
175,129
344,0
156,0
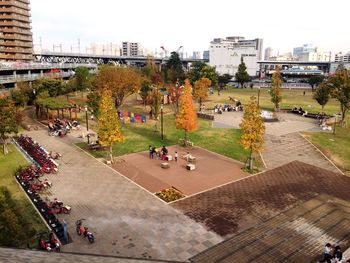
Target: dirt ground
211,170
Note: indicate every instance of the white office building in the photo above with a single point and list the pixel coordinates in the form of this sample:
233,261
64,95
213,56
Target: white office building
225,54
309,53
340,57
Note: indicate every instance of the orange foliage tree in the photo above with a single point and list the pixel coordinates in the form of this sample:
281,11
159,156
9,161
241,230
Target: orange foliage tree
122,82
186,119
201,87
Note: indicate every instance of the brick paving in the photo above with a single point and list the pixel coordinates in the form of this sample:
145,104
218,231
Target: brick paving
235,207
126,220
11,255
211,170
296,235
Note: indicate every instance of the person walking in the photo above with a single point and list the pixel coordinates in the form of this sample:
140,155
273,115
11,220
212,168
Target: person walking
176,156
151,152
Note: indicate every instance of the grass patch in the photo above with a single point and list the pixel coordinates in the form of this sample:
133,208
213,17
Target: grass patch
139,136
23,207
336,147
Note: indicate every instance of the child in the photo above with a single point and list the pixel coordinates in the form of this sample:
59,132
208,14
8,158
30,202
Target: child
176,156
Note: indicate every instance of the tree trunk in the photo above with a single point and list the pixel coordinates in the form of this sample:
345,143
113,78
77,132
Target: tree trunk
322,108
200,104
4,146
343,113
110,154
186,139
251,160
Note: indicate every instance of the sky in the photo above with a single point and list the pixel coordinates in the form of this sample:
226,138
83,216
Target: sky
282,24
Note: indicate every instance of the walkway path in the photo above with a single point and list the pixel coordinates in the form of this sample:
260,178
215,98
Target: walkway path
126,220
283,143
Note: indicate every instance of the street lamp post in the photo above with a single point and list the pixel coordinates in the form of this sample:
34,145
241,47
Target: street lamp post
259,96
87,124
161,120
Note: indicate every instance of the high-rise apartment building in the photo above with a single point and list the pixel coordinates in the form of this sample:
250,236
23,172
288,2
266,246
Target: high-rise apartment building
16,42
131,49
340,57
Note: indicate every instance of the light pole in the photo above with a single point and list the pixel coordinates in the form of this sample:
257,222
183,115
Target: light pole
87,124
259,96
161,119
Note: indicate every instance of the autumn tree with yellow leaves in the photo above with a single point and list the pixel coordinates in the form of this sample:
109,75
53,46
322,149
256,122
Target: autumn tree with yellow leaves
201,87
122,82
276,92
109,128
253,129
186,119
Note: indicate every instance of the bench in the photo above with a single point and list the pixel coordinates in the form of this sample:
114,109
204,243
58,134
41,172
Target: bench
205,116
165,165
190,167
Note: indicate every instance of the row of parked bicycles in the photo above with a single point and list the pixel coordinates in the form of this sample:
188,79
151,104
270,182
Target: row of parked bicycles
62,127
37,154
29,179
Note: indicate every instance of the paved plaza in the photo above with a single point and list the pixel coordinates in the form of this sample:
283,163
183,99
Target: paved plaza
283,142
211,170
126,220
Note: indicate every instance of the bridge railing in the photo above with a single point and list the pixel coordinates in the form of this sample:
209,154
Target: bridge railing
33,66
32,77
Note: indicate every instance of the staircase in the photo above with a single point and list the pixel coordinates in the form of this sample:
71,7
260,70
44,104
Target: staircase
296,235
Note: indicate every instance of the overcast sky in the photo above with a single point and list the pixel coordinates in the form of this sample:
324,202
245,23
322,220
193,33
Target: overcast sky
192,23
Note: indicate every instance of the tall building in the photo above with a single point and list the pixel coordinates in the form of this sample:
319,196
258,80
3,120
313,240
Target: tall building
269,53
225,54
131,49
16,42
340,57
206,54
108,49
309,53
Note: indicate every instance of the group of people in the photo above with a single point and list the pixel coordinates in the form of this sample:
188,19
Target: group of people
333,254
160,154
227,107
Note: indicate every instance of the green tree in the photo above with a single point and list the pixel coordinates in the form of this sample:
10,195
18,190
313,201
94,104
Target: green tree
223,80
155,101
242,74
195,72
186,119
253,129
22,94
173,70
109,128
82,79
210,73
339,86
275,91
93,101
145,90
322,95
314,81
8,121
53,86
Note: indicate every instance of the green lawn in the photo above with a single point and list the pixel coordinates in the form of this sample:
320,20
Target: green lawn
290,99
336,147
8,166
139,136
224,141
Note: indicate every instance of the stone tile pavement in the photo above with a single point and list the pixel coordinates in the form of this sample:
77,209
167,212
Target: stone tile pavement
280,150
126,220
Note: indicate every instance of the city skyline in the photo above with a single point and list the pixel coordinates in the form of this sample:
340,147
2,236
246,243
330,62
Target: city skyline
188,24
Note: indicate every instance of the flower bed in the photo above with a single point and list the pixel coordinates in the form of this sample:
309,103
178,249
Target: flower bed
170,194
